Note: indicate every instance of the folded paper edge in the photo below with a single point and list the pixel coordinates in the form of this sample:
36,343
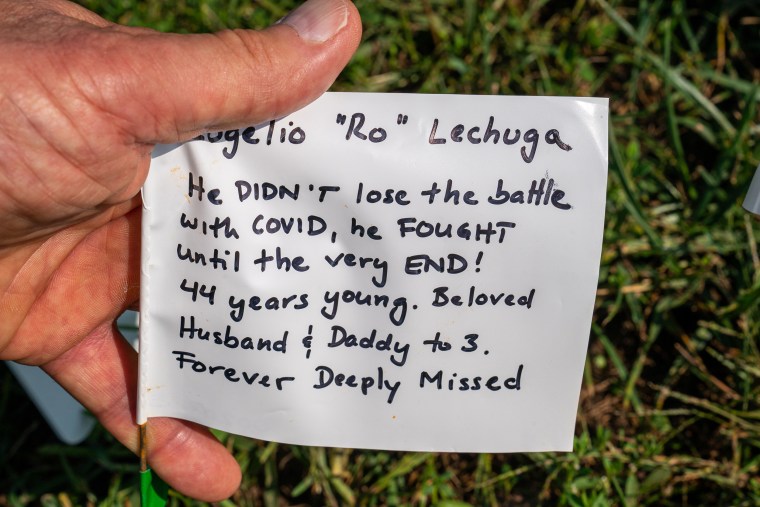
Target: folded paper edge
145,320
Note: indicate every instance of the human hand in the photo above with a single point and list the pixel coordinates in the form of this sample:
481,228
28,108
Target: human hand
82,103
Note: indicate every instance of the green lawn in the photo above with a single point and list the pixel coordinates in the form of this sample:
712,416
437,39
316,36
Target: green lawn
669,411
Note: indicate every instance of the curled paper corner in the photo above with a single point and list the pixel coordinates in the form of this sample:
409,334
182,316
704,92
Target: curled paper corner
163,149
752,199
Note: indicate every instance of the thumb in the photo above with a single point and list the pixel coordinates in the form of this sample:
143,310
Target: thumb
179,85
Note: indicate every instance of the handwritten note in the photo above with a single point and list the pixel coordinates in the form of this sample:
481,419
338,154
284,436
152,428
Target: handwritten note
409,272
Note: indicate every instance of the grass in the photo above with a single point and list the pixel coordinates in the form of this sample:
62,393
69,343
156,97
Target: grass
669,411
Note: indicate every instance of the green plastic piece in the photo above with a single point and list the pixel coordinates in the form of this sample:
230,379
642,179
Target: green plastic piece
153,491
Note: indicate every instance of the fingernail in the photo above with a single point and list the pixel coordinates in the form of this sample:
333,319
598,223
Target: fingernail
318,20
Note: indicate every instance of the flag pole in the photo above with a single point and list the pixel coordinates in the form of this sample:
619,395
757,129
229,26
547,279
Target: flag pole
153,491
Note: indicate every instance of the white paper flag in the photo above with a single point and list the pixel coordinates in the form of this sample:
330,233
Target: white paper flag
408,272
